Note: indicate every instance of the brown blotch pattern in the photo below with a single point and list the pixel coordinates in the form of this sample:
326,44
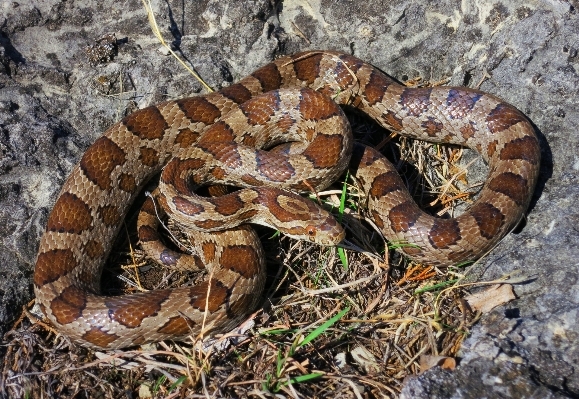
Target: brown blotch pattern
386,183
225,153
268,77
368,155
316,106
187,207
376,87
209,251
240,258
415,100
127,183
503,117
259,110
251,181
324,151
432,127
146,123
131,310
186,138
68,306
512,185
218,295
393,121
278,171
296,231
410,250
220,131
227,204
377,219
217,190
488,218
100,338
51,265
198,262
149,207
284,124
218,173
526,148
93,249
109,214
147,234
248,214
271,200
173,171
149,156
403,216
308,68
460,102
492,147
468,131
353,63
177,326
236,93
100,160
198,109
444,232
162,201
209,224
249,140
296,206
69,215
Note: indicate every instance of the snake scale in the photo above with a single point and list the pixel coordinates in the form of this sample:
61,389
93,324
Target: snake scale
189,135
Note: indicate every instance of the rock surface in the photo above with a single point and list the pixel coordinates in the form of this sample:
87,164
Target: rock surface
56,99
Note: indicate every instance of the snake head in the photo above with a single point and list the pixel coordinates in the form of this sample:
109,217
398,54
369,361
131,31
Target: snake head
322,232
295,216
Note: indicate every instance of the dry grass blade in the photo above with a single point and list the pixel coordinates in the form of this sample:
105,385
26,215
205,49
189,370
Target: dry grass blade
159,35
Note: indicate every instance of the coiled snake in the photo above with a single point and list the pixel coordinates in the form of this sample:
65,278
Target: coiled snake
223,126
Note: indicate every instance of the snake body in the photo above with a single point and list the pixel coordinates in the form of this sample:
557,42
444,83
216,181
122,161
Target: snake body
95,198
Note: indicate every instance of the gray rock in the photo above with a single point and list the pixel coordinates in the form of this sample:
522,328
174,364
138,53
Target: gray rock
54,103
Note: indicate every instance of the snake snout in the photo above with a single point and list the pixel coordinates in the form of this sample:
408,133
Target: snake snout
331,232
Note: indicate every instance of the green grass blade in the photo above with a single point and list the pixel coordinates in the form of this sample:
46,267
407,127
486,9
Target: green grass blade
303,378
343,199
341,251
177,383
435,286
343,257
464,264
280,362
314,334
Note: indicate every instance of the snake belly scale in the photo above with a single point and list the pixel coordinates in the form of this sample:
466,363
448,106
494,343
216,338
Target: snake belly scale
95,198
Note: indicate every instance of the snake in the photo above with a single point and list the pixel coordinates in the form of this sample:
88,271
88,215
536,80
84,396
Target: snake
207,138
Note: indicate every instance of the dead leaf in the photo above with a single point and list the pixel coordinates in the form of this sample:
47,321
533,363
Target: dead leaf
429,361
366,360
494,296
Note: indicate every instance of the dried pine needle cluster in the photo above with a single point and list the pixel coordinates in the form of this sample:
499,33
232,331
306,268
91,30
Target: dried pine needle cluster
340,322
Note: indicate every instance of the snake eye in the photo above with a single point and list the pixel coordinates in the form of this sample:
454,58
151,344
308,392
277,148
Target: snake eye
311,230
